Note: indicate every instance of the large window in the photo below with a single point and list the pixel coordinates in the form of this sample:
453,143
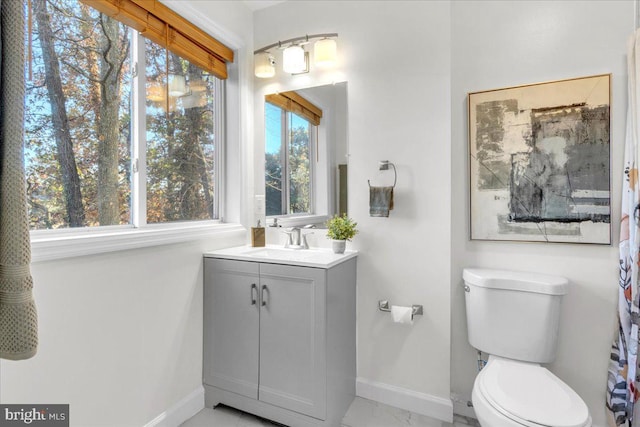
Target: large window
288,165
118,129
180,143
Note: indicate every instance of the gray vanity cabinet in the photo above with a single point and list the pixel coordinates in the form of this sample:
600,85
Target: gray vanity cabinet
292,330
267,340
232,317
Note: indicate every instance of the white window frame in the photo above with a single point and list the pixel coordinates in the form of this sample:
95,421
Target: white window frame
49,245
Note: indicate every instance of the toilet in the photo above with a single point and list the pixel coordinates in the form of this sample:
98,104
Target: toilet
514,317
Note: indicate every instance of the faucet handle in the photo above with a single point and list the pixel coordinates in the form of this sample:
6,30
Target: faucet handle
305,244
289,241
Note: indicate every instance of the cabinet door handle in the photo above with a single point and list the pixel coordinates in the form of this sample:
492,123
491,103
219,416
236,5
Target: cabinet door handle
253,298
264,300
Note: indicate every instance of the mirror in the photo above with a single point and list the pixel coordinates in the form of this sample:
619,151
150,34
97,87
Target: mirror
306,151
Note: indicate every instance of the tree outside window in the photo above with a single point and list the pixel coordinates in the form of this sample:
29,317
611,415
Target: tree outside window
287,162
79,119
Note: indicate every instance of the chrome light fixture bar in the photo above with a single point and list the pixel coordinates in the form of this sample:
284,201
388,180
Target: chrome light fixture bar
295,60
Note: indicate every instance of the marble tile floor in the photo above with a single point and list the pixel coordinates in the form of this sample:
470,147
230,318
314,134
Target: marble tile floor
362,413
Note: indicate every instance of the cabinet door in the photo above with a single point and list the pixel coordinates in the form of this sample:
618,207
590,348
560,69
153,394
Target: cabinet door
231,316
292,338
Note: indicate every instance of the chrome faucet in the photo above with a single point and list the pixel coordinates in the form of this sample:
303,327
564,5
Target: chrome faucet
296,239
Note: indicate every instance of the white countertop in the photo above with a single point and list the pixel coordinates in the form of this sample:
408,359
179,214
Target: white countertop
315,257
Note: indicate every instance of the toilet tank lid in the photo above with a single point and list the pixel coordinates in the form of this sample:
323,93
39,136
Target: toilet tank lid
516,281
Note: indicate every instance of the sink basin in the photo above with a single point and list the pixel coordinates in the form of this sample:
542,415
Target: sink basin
282,253
319,258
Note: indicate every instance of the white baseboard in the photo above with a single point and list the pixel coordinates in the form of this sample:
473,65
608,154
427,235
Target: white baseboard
181,411
410,400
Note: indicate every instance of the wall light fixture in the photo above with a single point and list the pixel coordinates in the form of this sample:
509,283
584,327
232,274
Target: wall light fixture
265,65
177,85
295,59
325,53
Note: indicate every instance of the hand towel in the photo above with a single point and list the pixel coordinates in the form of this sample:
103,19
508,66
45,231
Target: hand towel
380,201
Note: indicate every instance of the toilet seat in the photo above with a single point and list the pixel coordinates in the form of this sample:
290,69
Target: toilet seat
531,395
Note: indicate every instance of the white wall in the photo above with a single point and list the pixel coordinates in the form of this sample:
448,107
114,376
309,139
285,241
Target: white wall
121,333
499,44
395,57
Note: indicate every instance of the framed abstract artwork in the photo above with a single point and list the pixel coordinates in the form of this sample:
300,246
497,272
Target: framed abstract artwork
540,162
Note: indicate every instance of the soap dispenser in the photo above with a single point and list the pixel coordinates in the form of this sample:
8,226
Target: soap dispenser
257,236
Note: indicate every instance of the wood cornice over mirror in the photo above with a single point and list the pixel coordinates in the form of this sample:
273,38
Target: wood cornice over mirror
292,101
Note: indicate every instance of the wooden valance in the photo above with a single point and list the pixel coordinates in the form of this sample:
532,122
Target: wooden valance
291,101
165,27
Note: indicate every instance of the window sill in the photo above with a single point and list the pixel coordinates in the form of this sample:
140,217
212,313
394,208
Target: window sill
48,245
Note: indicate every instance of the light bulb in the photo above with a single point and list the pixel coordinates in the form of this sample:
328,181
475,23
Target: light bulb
293,60
325,53
155,92
264,65
177,85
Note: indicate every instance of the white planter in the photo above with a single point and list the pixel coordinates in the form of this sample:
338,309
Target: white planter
339,246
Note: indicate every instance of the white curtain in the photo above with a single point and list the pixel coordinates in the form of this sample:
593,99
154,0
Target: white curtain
622,385
18,317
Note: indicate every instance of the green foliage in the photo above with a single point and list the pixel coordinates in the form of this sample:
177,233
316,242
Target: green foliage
341,228
273,181
299,175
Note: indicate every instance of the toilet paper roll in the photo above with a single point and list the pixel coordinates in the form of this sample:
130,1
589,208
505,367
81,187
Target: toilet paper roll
401,314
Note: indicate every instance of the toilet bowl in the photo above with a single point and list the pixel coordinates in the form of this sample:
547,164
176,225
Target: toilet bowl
510,393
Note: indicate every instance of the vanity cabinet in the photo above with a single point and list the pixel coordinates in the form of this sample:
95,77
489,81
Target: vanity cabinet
279,340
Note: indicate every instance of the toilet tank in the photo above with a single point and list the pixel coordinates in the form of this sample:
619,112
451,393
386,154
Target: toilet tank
514,314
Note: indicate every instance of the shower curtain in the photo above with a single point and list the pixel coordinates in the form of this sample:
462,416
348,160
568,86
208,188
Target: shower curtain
622,383
18,318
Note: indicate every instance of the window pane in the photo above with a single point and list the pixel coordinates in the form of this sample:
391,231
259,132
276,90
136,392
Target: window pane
273,160
180,138
299,165
77,118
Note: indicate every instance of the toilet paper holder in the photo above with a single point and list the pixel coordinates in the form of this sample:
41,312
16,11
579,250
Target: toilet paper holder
416,310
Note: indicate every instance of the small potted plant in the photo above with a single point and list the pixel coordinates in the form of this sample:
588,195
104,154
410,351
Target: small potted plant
340,229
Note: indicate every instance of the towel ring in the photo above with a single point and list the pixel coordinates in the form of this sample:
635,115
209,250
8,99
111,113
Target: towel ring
383,165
